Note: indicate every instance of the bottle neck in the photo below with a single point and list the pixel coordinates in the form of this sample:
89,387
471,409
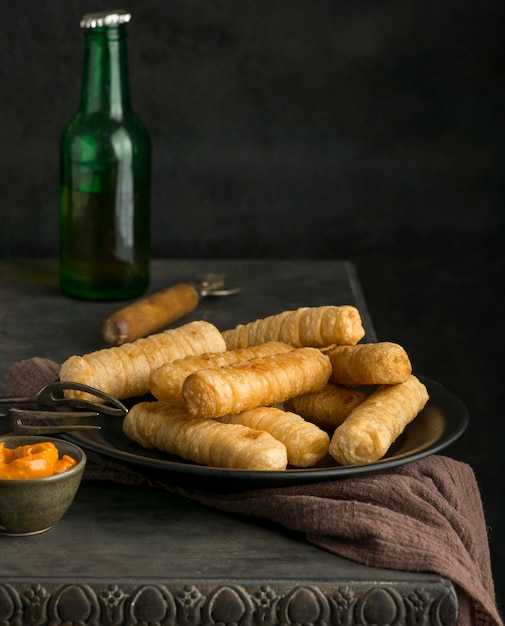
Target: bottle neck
105,83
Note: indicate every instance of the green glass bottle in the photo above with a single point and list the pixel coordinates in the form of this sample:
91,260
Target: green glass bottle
105,171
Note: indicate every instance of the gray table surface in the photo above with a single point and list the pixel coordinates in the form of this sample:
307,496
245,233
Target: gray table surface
136,555
37,320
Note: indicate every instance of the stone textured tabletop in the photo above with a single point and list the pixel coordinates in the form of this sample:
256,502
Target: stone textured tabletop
137,555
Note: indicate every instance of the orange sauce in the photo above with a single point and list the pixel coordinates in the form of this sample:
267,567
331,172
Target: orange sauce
36,460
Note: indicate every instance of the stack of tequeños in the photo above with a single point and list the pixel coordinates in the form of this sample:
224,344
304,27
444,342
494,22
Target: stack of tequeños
282,391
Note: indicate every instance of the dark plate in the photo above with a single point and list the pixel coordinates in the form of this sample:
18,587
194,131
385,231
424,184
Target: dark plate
440,423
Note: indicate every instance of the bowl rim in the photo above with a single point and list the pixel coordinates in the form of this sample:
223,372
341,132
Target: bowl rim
79,456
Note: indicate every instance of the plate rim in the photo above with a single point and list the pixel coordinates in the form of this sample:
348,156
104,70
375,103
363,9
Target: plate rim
455,426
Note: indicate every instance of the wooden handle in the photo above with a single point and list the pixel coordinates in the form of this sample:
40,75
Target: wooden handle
150,314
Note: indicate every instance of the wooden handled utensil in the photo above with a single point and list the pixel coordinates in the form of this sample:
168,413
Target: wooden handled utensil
159,309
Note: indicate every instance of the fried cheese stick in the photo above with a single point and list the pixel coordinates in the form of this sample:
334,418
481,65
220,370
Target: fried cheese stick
124,371
305,443
166,382
258,382
367,434
307,326
382,363
327,408
204,441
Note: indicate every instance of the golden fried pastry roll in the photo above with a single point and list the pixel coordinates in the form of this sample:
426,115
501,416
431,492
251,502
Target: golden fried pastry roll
124,371
382,363
368,432
204,441
307,326
166,382
258,382
305,443
327,408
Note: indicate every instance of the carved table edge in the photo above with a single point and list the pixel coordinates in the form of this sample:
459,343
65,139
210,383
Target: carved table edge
222,603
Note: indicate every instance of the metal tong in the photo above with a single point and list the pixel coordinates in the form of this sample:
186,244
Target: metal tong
53,396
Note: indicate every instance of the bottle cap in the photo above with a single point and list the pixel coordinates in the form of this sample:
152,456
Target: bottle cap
105,18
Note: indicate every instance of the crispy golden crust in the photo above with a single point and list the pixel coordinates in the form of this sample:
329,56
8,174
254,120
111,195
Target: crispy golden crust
368,432
166,382
382,363
305,443
124,371
307,326
258,382
327,408
204,441
149,314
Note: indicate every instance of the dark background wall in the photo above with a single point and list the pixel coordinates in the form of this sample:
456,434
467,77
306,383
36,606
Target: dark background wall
300,127
370,130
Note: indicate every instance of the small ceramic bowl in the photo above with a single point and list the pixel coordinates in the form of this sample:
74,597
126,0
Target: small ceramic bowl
34,505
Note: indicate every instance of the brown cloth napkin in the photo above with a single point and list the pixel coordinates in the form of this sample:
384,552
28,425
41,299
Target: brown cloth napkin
425,516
